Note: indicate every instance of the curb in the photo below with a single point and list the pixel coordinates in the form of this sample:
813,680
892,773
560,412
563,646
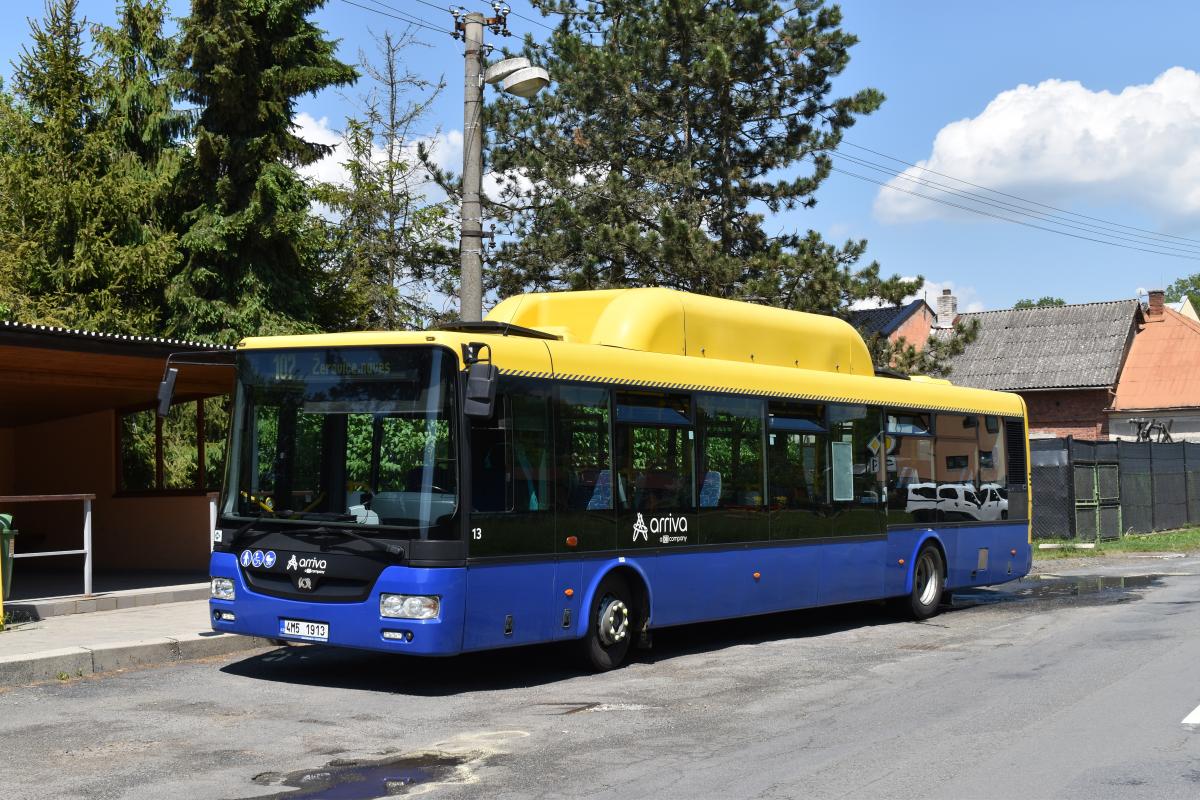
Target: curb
108,601
76,662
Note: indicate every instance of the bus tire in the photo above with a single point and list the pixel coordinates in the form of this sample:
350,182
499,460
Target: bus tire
928,583
611,622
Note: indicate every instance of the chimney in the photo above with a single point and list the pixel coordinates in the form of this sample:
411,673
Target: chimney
1155,310
947,309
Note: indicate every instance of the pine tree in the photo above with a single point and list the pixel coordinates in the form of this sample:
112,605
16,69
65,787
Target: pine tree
78,242
251,246
390,248
671,129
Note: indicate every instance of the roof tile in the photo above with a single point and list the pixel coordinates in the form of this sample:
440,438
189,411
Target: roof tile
1065,347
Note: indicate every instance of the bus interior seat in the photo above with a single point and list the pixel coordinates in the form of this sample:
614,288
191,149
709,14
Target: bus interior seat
710,490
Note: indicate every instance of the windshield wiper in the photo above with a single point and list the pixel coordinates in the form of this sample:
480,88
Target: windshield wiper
241,531
381,546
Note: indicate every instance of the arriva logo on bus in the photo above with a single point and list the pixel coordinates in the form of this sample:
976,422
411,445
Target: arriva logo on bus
316,565
660,525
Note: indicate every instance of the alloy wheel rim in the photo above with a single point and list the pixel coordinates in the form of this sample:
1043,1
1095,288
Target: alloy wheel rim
614,621
926,579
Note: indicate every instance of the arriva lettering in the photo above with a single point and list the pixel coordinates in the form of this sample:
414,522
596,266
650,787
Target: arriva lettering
661,525
669,524
306,564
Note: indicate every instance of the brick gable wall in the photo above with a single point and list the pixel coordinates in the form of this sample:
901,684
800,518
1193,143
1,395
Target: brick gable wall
1081,413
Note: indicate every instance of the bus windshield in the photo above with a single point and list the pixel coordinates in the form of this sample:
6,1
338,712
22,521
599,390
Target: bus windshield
359,436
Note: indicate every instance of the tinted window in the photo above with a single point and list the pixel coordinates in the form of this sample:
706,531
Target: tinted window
854,447
909,469
797,468
731,431
511,466
584,458
958,467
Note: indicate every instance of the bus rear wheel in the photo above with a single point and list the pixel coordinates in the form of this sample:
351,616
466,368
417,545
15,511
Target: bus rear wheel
928,583
611,622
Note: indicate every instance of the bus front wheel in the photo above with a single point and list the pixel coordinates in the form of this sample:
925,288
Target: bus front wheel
928,583
611,623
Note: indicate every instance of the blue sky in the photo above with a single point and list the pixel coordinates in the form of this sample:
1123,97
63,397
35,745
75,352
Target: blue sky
1091,107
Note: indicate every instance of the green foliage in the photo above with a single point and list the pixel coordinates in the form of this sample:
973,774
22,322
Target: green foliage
929,358
251,248
82,240
670,129
388,248
1185,287
1043,302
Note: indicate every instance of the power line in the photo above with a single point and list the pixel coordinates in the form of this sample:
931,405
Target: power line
1016,197
1010,219
397,14
1021,210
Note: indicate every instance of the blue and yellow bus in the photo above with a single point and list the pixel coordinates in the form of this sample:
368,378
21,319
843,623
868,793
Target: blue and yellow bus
590,466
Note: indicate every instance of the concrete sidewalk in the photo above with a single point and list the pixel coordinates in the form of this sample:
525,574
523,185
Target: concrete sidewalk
83,644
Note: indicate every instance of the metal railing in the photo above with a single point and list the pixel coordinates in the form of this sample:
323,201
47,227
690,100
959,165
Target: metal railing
86,552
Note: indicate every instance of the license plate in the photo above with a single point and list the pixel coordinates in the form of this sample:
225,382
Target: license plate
312,631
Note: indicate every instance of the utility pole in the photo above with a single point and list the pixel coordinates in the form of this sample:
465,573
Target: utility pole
515,76
471,236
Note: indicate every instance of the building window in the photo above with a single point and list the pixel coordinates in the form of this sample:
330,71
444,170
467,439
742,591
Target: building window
183,452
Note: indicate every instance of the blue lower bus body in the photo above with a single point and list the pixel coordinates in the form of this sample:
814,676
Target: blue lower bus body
503,604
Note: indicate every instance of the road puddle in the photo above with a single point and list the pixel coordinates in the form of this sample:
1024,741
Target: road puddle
367,780
1086,589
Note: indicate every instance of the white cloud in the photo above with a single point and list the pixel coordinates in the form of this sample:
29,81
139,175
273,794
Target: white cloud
445,150
968,298
1060,141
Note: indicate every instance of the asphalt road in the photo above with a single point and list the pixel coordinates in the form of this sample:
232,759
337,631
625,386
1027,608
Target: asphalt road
1046,688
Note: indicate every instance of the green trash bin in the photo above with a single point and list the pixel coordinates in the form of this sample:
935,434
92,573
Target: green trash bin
8,535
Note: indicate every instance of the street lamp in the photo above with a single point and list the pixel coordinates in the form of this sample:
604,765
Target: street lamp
515,76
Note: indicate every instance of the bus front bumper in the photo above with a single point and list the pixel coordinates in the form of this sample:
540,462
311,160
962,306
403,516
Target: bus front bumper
357,624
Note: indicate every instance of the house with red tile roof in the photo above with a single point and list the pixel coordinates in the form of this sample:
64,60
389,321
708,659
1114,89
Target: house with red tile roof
1160,380
1094,371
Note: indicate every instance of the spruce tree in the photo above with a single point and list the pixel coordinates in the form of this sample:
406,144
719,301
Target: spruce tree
79,243
251,247
672,127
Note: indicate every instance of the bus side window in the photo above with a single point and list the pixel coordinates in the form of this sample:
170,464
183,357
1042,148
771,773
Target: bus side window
798,470
491,461
511,467
585,464
958,470
993,465
911,480
655,458
854,447
731,430
532,453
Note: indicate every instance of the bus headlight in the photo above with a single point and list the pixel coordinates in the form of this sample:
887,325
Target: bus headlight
409,606
222,589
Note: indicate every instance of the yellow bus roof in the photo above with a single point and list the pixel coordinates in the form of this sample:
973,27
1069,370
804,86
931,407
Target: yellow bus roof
668,340
670,322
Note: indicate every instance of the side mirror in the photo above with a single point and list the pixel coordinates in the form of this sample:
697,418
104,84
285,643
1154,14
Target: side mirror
481,390
166,390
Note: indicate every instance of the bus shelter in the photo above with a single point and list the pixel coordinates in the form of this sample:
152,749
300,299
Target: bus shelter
93,479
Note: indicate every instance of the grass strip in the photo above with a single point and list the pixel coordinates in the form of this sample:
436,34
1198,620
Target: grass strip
1185,540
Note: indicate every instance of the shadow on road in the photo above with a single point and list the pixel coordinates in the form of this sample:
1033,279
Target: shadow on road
534,665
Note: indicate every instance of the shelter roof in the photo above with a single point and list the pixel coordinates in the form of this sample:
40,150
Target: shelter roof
48,372
1066,347
1163,367
50,336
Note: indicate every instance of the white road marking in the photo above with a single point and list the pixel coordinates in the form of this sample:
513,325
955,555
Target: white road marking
1192,718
